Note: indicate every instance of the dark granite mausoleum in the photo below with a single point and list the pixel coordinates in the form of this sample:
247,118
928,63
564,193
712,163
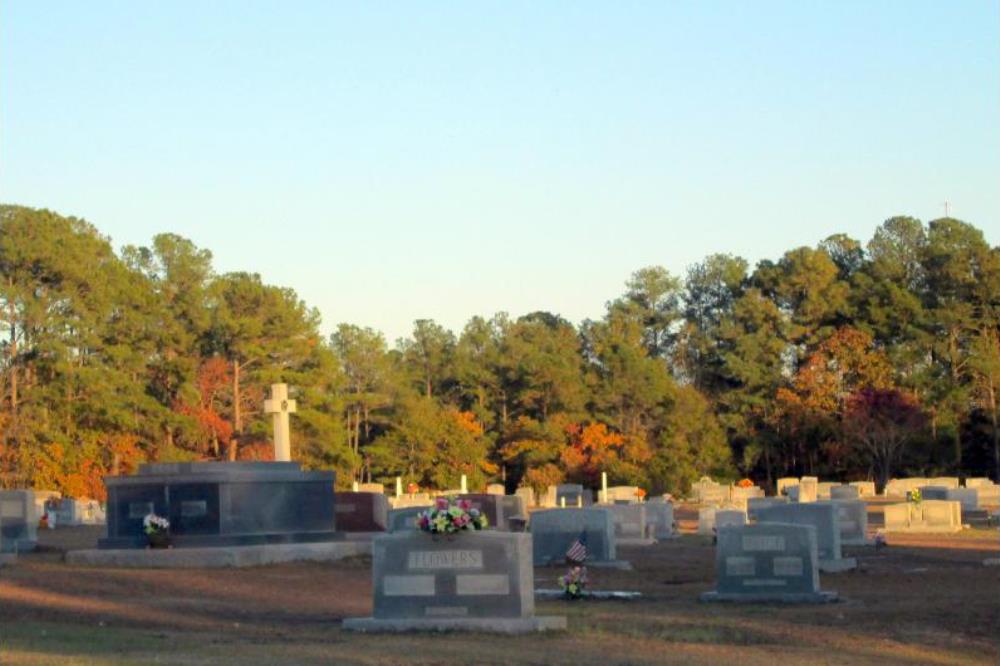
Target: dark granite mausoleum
222,504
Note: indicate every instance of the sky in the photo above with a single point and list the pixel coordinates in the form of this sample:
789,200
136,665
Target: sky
396,161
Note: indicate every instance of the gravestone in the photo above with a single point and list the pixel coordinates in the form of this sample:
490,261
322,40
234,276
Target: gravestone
784,483
18,520
480,581
495,489
526,494
865,488
72,512
926,517
489,505
43,498
740,495
219,504
808,489
900,487
822,516
852,517
574,495
755,504
767,562
361,511
623,494
978,481
842,492
823,489
660,518
710,518
707,491
630,524
515,513
404,519
371,488
553,531
967,497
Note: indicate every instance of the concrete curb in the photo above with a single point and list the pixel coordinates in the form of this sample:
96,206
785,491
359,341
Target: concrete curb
214,558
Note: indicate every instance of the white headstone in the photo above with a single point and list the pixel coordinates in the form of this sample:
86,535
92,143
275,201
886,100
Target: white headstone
280,407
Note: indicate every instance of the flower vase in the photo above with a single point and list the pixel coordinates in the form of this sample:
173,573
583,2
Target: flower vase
158,539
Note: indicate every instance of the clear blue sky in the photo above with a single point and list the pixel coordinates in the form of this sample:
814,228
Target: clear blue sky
397,161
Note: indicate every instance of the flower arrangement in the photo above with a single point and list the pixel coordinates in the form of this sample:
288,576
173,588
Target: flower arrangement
157,529
916,497
574,583
745,483
640,493
448,518
412,488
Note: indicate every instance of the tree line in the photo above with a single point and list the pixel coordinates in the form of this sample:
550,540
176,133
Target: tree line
845,360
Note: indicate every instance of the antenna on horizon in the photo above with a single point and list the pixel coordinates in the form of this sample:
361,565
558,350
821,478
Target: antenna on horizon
947,209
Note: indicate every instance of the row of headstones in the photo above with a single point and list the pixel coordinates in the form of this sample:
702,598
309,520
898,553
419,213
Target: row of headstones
22,510
975,494
811,489
707,491
485,579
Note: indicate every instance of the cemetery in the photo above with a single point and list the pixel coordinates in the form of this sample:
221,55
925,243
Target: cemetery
499,334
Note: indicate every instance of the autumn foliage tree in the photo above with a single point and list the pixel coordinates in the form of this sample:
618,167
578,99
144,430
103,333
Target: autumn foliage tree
880,422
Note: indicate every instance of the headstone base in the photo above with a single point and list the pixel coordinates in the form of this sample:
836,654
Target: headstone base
500,625
793,598
857,542
636,541
213,558
839,565
620,565
6,559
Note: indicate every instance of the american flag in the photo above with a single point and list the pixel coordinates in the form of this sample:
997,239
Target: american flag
578,551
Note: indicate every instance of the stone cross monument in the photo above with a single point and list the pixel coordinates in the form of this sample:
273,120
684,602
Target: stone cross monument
280,407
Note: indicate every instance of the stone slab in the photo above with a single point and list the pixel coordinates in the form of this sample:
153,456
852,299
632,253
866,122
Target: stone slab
505,625
794,598
554,531
361,511
214,558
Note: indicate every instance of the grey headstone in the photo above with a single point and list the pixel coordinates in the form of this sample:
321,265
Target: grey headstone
574,494
630,521
767,562
755,504
852,517
553,531
18,520
477,574
660,517
515,512
821,516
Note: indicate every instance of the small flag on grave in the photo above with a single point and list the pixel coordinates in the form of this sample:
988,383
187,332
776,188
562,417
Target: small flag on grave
578,550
